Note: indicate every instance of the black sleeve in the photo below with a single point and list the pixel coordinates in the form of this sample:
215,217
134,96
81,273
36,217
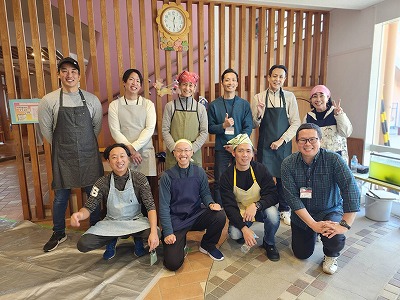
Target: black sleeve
269,193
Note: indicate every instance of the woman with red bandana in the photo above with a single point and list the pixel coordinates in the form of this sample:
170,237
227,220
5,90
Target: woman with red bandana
185,118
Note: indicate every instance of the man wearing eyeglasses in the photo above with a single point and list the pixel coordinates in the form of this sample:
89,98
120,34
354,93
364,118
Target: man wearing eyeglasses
323,195
186,205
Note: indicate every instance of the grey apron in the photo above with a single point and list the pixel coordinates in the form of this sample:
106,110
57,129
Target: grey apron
185,124
132,121
75,153
123,212
274,123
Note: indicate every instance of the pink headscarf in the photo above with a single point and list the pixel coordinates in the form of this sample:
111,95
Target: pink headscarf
186,76
320,89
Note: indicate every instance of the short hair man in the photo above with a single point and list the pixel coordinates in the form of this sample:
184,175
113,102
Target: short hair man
228,116
183,190
275,111
70,120
124,191
249,193
323,196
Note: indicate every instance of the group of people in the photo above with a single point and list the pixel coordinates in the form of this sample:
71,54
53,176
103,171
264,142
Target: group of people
245,190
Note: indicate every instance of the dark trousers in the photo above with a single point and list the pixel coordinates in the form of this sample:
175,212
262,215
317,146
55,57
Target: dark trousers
222,161
89,242
212,221
283,206
303,241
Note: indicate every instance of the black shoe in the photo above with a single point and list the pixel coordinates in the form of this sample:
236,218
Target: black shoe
272,252
240,241
56,239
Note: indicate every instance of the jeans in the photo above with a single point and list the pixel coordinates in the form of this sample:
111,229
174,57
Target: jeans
223,159
303,241
60,206
283,206
270,218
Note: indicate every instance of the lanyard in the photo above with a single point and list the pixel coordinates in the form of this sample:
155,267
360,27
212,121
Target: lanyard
280,99
233,105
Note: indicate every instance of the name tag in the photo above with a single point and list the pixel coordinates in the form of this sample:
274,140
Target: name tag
230,130
306,192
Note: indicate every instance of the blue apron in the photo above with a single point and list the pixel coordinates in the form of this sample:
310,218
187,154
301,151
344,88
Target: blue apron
123,213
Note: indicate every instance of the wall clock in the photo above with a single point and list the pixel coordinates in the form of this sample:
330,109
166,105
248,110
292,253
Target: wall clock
173,26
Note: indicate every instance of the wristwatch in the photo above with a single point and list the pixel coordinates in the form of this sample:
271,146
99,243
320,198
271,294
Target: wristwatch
258,205
344,224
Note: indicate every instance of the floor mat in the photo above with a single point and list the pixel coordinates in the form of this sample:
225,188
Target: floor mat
65,273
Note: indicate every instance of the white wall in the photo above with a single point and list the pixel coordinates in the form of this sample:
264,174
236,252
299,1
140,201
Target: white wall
351,35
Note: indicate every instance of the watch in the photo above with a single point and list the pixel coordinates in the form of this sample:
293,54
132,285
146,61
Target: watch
344,224
258,205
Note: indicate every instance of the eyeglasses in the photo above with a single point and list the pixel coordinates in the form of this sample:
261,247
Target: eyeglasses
182,150
312,141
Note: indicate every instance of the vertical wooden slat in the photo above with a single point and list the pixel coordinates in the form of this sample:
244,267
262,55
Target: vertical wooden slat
145,63
34,24
252,59
93,49
280,37
242,51
179,55
26,94
261,50
106,45
190,39
63,27
222,42
271,37
211,51
232,38
307,50
131,34
316,49
289,45
200,13
298,49
120,58
168,61
79,42
156,54
324,49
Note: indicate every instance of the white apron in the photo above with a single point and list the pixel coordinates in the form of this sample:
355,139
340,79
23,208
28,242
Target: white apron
132,120
245,198
123,213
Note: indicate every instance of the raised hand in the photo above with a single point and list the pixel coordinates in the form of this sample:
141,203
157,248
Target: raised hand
228,122
260,108
337,109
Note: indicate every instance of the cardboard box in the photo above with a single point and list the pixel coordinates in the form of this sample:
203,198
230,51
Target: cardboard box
385,166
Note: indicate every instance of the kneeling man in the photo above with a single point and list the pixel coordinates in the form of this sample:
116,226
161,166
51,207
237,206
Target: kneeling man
249,194
124,191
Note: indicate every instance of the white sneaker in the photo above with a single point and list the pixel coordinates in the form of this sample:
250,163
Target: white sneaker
330,265
285,216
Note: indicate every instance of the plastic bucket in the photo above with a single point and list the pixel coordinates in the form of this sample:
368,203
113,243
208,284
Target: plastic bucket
378,209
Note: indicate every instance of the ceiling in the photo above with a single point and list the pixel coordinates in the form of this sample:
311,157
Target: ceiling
315,4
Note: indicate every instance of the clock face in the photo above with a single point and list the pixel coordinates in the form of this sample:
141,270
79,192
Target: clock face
173,20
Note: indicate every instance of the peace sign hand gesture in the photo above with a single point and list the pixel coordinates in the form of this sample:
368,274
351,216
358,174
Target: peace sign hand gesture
337,109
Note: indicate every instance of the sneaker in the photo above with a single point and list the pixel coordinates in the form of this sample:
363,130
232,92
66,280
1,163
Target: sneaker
215,254
56,239
272,252
139,247
110,249
330,265
285,216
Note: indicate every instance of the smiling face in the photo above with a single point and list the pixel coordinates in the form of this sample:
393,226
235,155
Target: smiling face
307,149
187,89
183,153
230,83
319,101
69,76
243,154
119,161
276,79
132,86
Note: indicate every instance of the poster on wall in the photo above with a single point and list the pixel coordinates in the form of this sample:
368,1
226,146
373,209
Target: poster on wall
24,111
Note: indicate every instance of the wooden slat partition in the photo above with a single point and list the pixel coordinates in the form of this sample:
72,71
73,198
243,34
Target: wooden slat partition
249,38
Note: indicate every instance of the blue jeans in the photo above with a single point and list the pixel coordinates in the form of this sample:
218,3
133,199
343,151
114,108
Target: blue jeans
303,241
60,206
222,161
270,218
